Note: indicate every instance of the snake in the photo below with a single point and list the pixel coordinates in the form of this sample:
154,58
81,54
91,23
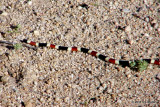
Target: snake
140,64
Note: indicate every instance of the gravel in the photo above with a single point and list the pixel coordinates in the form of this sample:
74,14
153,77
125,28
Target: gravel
43,77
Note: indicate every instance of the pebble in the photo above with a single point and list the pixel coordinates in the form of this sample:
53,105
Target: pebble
146,19
109,91
28,104
150,28
119,101
42,99
52,92
153,21
105,17
155,25
128,29
29,2
101,89
57,99
48,91
128,76
5,79
113,96
36,32
79,7
146,34
112,82
66,99
112,30
126,10
3,56
74,86
158,76
158,31
104,85
130,41
4,13
69,85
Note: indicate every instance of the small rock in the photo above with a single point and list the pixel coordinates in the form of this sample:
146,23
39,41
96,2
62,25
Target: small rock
74,86
4,13
153,21
158,31
112,30
42,99
109,91
79,7
4,79
146,19
69,85
48,91
155,25
57,99
113,96
146,34
105,17
66,99
2,57
128,29
29,2
101,89
126,10
28,104
119,101
150,28
104,85
36,32
128,76
158,76
130,41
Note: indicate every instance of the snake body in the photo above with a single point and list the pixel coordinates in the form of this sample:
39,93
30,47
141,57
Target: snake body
93,53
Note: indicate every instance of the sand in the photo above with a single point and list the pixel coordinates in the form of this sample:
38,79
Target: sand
41,77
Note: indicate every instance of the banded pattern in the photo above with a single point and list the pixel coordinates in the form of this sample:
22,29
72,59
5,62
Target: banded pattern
88,51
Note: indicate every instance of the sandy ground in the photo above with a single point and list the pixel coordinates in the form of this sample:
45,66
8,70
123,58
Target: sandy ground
40,77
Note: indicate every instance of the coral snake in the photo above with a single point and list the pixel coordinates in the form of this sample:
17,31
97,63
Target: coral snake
132,63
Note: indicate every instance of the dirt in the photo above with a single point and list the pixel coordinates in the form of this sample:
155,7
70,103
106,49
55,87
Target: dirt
40,77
